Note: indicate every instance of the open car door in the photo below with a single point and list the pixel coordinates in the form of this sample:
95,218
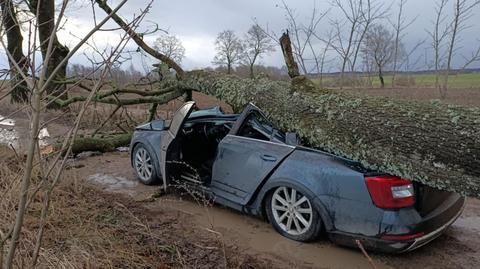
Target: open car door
247,155
176,124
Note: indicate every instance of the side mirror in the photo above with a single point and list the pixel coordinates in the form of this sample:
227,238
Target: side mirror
292,139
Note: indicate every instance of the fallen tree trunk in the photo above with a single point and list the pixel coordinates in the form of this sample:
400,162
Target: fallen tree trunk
104,143
434,143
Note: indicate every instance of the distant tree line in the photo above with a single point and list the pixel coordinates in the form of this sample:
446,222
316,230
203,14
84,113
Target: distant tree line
116,73
246,52
367,37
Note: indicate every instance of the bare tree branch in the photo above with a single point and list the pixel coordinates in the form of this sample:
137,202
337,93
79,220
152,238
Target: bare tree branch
138,39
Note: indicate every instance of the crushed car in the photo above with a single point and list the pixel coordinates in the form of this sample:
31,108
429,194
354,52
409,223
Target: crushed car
244,162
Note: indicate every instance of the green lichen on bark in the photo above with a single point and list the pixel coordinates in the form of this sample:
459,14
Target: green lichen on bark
434,143
105,143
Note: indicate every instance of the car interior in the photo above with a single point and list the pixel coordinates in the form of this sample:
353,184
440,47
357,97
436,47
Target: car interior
194,150
196,145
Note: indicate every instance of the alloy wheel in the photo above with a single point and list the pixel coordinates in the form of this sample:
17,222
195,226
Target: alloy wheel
143,164
292,210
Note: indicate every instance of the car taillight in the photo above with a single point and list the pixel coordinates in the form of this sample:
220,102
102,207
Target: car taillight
390,191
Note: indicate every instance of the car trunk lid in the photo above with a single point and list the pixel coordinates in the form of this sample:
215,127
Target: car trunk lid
428,198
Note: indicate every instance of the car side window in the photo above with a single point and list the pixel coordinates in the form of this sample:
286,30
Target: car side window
258,127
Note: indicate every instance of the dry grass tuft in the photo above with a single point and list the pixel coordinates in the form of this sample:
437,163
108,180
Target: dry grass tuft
87,228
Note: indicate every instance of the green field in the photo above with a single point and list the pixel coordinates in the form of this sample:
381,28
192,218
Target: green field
465,80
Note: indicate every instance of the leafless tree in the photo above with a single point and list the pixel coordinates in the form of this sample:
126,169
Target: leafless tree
40,87
12,30
371,11
462,12
438,35
379,48
399,27
359,15
255,43
321,60
44,12
170,46
229,50
474,57
407,54
302,35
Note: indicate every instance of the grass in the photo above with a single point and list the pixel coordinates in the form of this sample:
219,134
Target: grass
88,228
463,80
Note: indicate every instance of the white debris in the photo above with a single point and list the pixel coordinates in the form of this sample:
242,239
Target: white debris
6,122
42,137
43,134
123,149
8,135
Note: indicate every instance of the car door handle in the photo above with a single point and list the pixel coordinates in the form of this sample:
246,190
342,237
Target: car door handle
268,158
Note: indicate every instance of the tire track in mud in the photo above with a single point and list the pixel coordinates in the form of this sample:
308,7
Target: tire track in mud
252,235
457,248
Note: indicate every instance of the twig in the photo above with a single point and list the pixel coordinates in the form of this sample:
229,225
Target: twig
359,244
106,120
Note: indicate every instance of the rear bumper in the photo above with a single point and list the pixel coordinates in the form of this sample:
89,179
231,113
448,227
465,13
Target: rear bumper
432,226
425,239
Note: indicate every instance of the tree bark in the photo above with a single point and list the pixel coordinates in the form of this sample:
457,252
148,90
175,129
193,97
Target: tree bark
20,91
432,143
105,143
286,46
46,29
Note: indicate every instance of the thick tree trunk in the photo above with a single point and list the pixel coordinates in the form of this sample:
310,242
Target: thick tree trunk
20,91
432,143
286,46
103,144
46,27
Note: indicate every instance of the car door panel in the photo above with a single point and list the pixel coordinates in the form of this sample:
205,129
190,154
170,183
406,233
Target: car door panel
176,124
242,164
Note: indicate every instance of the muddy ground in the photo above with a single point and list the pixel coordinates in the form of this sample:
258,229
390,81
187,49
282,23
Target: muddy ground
457,248
112,174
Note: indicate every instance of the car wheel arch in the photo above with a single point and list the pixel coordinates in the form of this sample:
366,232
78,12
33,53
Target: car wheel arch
151,150
279,182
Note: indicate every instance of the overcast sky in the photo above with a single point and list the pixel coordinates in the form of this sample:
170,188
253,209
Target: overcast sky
197,24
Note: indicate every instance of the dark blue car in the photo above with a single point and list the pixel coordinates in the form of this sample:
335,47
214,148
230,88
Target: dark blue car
242,161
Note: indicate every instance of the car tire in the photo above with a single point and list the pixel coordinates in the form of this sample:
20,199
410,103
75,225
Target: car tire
295,218
145,165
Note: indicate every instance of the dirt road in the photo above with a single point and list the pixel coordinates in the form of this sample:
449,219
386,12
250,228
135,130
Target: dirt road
458,248
111,172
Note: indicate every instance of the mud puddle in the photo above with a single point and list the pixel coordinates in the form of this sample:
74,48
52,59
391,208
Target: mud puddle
258,237
112,183
112,172
457,248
